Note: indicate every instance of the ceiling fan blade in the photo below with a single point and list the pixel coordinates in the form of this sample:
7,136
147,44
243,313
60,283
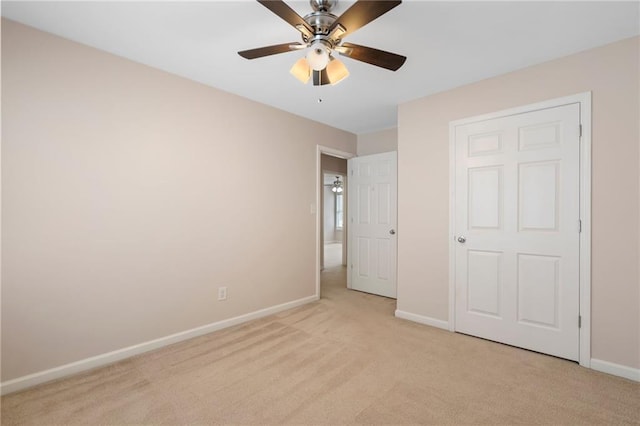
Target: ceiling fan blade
268,50
281,9
363,12
372,56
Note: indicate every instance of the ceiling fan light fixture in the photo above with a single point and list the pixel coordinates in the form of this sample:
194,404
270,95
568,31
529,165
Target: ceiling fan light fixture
322,35
336,71
336,186
301,70
318,56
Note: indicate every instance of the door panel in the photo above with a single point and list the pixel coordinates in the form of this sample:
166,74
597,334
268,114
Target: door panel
539,191
483,282
364,205
484,144
485,198
384,203
373,206
384,253
538,285
364,254
517,205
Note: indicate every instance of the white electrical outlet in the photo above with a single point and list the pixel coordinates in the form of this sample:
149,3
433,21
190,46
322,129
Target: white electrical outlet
222,293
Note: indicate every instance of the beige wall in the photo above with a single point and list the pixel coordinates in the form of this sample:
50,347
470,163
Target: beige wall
377,142
129,195
611,73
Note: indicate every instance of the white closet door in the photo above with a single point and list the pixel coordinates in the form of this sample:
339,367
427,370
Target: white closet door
517,226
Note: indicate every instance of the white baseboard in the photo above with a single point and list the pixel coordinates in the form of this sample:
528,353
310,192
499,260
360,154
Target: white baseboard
423,320
30,380
616,369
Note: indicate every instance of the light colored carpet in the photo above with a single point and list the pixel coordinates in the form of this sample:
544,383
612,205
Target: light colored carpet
342,360
332,255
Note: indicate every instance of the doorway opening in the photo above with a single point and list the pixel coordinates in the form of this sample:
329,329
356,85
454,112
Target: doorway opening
333,213
331,218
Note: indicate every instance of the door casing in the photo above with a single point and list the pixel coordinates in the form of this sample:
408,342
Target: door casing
584,100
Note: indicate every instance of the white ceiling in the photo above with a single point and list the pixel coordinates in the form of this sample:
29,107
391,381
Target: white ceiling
448,44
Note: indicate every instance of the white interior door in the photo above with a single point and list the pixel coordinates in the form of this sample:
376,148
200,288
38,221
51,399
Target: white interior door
517,230
372,223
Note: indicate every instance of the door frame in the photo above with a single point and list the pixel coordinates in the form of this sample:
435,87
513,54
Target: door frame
584,100
321,149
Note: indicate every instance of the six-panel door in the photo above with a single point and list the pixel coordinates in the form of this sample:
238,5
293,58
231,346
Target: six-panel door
517,206
372,212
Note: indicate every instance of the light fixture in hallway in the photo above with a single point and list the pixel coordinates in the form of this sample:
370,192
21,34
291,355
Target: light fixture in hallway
337,185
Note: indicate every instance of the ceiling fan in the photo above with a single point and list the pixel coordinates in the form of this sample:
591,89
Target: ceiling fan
323,34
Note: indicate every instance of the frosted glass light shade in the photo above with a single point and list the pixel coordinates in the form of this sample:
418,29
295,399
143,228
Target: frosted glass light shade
336,71
301,70
318,57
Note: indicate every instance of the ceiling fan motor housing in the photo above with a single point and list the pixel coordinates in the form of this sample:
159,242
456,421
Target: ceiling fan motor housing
323,5
321,23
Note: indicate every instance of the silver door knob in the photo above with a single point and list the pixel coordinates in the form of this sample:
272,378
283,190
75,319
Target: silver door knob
392,232
462,240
